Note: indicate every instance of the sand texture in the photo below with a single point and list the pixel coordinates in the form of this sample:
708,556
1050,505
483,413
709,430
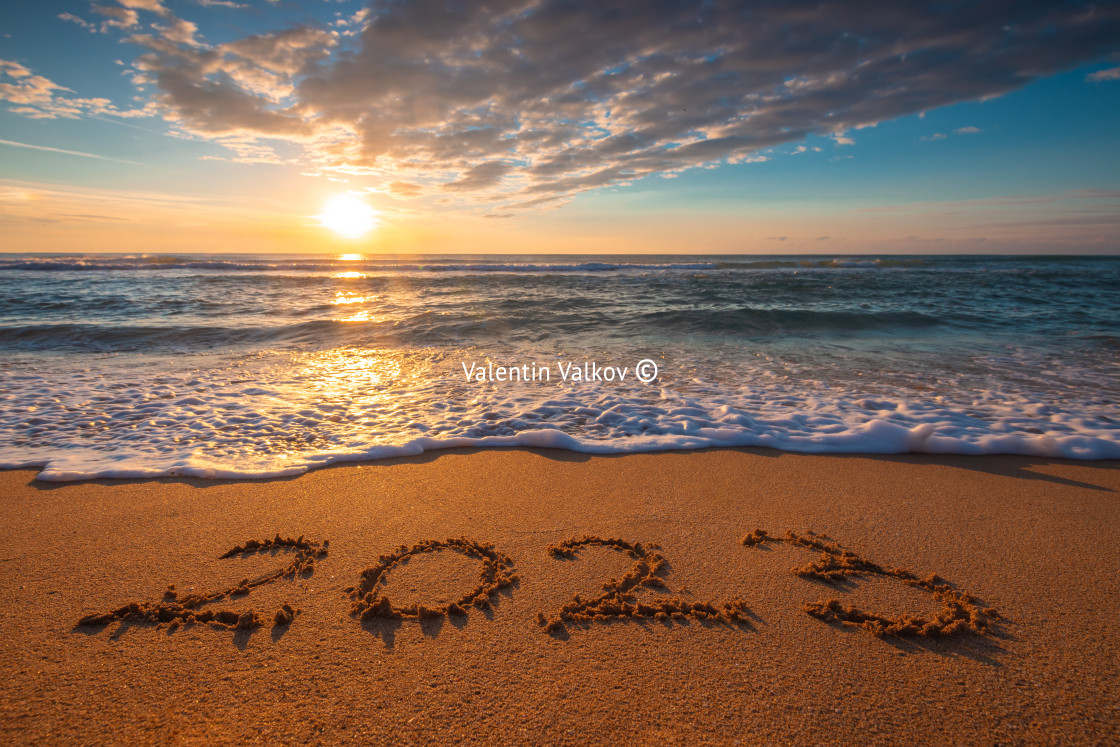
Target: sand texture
517,596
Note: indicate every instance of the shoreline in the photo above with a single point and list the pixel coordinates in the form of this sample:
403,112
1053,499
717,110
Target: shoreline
1035,447
1032,538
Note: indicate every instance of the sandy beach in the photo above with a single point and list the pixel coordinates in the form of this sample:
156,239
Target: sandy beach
1032,541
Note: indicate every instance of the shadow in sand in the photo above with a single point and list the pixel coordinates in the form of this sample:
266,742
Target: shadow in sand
564,632
979,645
1022,467
1018,467
983,649
386,628
431,626
196,482
279,631
241,638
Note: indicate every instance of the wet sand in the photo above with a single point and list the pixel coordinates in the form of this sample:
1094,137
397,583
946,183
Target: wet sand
681,632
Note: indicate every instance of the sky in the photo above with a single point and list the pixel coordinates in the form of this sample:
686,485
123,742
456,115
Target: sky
526,126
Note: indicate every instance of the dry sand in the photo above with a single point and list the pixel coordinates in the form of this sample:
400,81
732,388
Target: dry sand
1037,540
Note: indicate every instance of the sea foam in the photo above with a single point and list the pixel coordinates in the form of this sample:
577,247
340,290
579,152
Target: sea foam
266,366
282,414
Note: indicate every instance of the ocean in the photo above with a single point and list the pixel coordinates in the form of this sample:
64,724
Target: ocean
261,366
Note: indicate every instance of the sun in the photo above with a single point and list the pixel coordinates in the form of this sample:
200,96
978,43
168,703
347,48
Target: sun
347,215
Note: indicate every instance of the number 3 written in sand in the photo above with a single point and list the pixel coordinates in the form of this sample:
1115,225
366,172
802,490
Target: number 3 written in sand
960,611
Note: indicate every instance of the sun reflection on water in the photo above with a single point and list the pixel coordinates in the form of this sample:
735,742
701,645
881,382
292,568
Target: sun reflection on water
351,386
348,370
363,316
349,298
344,297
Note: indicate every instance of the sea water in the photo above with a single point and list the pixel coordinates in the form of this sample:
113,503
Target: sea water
252,366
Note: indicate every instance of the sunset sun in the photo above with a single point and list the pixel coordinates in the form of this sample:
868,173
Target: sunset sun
348,216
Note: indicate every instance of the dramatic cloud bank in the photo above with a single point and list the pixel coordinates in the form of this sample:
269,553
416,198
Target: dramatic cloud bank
527,102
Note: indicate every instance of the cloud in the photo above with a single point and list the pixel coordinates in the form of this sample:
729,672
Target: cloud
71,18
1112,73
579,95
528,102
353,23
239,88
178,31
247,150
121,18
25,87
14,144
958,131
482,176
403,189
38,97
23,202
88,218
284,52
124,15
1031,203
154,6
747,158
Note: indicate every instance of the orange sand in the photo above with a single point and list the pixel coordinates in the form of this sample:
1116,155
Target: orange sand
972,600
